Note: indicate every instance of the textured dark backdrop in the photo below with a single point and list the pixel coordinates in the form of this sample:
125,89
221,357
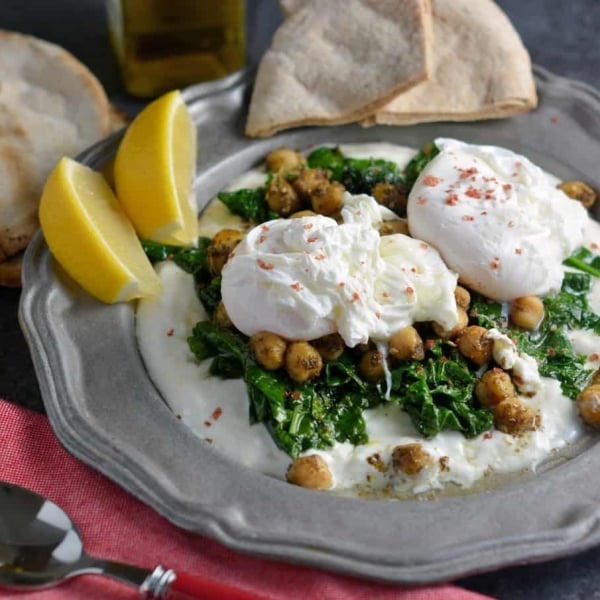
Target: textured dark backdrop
561,35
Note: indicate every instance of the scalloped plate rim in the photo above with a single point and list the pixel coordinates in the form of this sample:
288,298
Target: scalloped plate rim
234,523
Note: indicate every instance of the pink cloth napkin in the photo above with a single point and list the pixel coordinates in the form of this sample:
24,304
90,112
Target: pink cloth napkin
117,526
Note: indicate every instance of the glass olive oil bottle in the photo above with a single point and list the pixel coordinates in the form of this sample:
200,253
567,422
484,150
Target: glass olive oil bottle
166,44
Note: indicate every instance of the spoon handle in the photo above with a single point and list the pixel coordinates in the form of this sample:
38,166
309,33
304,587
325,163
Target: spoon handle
166,584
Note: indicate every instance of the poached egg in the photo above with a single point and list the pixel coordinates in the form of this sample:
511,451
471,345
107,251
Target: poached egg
308,277
497,219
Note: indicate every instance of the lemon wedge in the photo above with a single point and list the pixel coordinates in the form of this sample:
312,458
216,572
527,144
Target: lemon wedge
91,237
154,171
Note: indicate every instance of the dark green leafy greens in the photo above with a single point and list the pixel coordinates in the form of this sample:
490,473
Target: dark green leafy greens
249,204
209,292
190,259
550,344
585,260
298,416
438,392
193,260
487,313
419,162
358,175
571,306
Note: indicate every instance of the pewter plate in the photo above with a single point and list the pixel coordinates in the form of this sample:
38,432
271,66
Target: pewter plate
105,410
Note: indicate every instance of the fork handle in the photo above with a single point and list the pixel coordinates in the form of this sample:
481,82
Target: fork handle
166,584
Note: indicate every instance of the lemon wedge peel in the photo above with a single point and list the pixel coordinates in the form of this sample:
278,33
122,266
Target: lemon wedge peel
154,171
90,236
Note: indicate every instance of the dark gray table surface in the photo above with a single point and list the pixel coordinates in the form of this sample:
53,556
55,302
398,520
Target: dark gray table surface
560,35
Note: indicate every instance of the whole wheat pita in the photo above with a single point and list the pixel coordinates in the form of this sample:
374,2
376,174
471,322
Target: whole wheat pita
480,69
50,106
338,61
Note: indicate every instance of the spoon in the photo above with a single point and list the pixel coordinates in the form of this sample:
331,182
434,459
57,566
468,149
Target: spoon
40,547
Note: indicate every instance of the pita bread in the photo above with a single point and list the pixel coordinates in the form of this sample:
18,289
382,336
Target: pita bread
118,118
480,69
320,67
50,106
10,271
290,6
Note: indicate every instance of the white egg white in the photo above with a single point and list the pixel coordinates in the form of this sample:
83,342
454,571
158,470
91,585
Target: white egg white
308,277
496,218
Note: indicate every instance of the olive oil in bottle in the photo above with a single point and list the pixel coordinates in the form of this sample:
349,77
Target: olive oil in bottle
166,44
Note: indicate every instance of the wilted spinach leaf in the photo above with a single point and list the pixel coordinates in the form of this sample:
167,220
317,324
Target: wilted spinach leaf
249,204
549,344
438,392
584,260
358,175
192,259
419,162
209,293
299,416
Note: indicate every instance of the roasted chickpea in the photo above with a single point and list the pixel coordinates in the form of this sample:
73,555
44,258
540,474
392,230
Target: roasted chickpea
284,159
269,349
474,344
281,197
448,334
329,346
308,180
406,344
494,387
411,458
303,213
302,361
327,199
221,246
360,349
513,417
310,472
395,197
588,403
371,365
527,312
578,190
394,226
220,316
462,297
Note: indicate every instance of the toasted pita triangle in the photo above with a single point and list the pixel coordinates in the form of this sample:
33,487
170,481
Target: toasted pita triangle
338,61
480,69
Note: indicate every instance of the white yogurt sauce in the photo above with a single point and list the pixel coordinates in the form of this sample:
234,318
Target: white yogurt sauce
217,410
